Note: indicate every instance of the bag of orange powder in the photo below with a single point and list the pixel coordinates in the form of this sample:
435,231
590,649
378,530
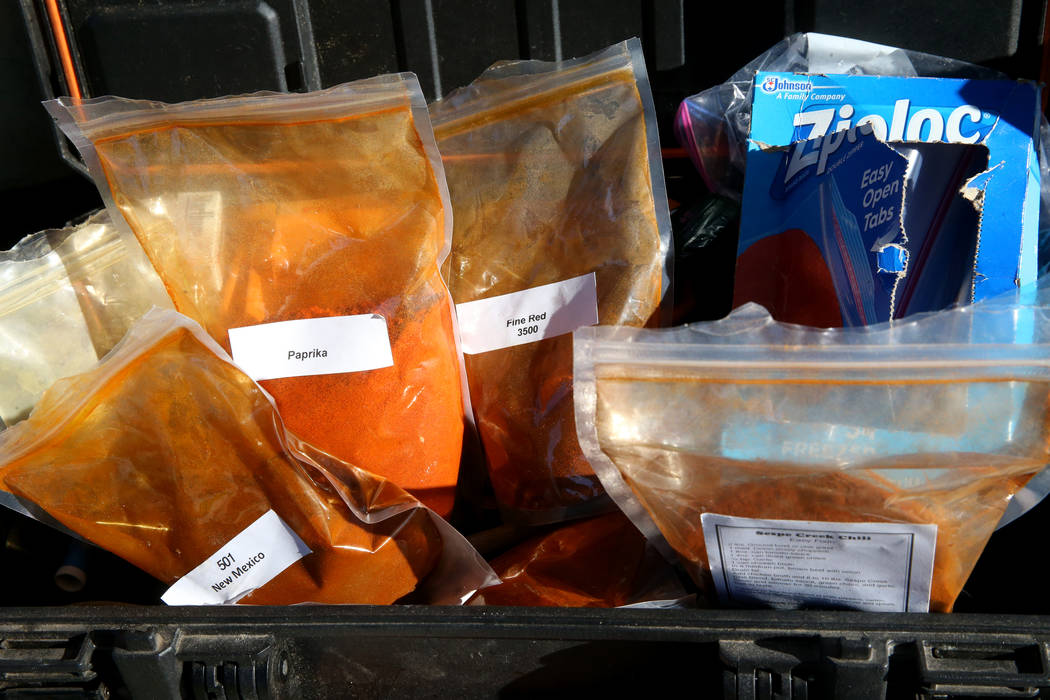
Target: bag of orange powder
600,562
561,220
793,467
169,456
305,233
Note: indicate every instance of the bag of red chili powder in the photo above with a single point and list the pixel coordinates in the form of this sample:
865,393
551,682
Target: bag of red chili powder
170,456
561,221
787,466
305,233
600,562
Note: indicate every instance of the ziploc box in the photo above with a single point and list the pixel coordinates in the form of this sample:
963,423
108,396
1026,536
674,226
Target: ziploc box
868,198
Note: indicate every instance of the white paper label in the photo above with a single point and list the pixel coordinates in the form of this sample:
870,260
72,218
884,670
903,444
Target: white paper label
874,567
250,560
303,348
529,315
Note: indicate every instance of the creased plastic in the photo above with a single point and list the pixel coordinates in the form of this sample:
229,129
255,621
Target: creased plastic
713,125
1044,196
273,207
601,562
936,420
166,451
554,172
66,297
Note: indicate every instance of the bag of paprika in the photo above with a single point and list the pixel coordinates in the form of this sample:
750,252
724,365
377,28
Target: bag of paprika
561,220
305,233
171,457
862,468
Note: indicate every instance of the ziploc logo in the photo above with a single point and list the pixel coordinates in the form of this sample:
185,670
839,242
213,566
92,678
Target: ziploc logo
774,84
962,124
817,151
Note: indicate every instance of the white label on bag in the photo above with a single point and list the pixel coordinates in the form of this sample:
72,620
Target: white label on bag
529,315
250,560
303,348
874,567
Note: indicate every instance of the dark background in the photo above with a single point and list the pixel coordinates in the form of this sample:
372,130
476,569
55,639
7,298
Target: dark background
181,49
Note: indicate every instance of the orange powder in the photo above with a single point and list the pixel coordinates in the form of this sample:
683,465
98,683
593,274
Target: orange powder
550,179
786,273
965,504
602,562
925,423
252,218
165,452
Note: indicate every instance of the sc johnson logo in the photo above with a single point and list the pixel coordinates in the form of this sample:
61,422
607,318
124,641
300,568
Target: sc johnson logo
774,84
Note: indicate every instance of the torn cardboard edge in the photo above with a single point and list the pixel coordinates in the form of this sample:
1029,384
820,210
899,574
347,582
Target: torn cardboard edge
943,226
876,219
974,210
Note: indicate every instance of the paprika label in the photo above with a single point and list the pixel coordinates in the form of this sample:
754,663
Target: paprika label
250,560
527,316
874,567
307,347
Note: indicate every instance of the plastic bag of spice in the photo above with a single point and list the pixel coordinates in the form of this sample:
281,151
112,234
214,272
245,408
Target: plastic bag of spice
788,466
602,562
305,233
66,297
170,456
560,221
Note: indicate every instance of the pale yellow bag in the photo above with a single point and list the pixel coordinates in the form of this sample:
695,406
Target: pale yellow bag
66,297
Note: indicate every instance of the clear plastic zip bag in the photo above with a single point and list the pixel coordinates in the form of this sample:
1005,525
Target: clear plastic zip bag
305,232
601,562
66,297
713,125
561,219
169,456
707,433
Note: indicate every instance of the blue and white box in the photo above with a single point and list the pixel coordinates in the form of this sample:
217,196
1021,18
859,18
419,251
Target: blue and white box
944,209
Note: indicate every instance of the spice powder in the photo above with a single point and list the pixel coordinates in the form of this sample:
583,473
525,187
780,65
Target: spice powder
253,222
965,504
165,459
544,189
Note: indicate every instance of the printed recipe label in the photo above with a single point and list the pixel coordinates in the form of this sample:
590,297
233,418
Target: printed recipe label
529,315
248,561
874,567
331,345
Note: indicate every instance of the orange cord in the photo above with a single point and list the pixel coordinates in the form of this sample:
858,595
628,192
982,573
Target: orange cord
58,30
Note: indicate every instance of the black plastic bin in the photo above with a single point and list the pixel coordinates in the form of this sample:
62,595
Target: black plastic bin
372,652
